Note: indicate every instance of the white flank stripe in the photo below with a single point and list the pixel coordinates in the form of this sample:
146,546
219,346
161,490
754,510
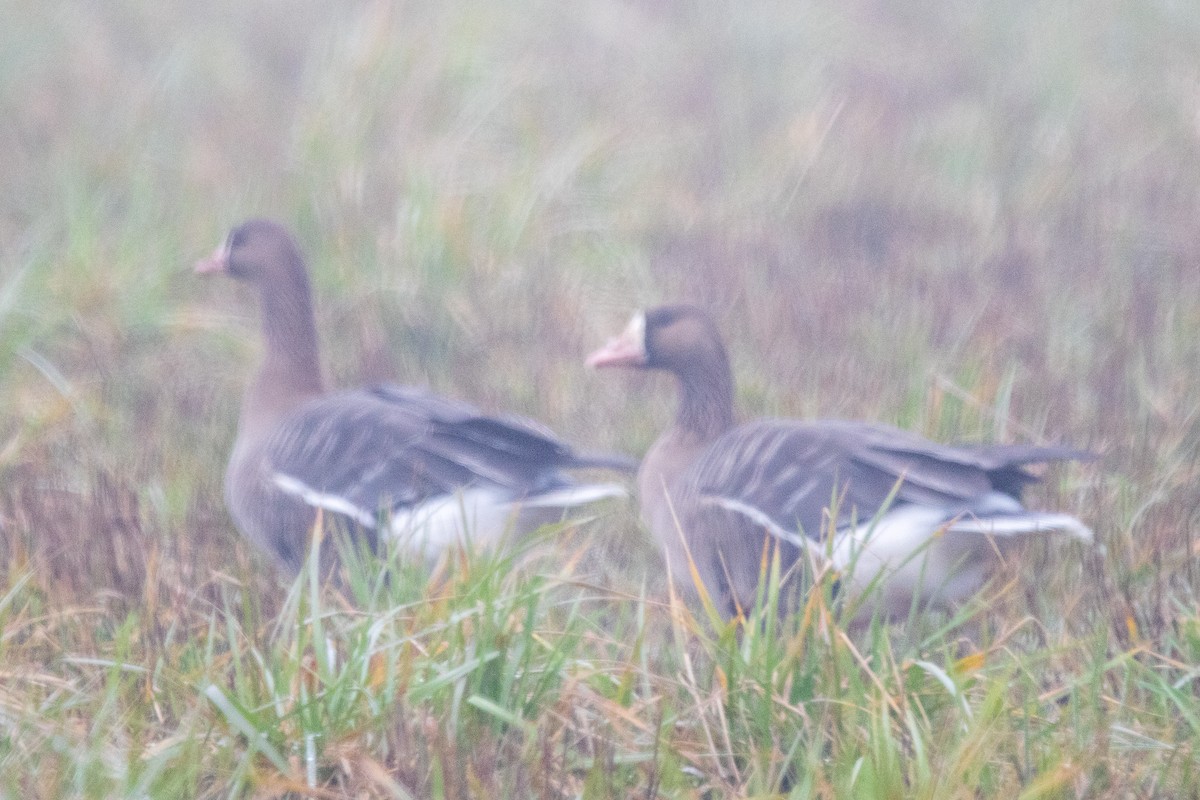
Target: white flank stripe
1031,522
476,515
760,518
571,496
329,502
481,515
922,549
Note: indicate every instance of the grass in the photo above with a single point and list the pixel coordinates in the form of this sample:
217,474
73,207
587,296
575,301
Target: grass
977,223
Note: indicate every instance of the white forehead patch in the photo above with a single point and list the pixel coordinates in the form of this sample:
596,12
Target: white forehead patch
635,331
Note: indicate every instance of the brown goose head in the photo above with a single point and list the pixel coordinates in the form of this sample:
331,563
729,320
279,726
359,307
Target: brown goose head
259,251
683,341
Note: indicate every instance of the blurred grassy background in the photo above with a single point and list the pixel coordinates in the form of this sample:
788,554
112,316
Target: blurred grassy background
974,221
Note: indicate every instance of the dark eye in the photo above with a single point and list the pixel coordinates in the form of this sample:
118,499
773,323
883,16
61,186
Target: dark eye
237,237
663,316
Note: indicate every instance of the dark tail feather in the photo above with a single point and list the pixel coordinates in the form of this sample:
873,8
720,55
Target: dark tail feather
1004,463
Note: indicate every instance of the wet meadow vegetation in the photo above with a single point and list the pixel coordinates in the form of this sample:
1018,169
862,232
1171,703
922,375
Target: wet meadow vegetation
974,221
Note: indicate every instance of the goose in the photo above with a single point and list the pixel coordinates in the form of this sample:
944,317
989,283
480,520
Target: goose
384,462
891,512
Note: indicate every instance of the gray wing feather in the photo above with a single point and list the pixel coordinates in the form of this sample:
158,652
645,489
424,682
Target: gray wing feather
390,447
794,472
